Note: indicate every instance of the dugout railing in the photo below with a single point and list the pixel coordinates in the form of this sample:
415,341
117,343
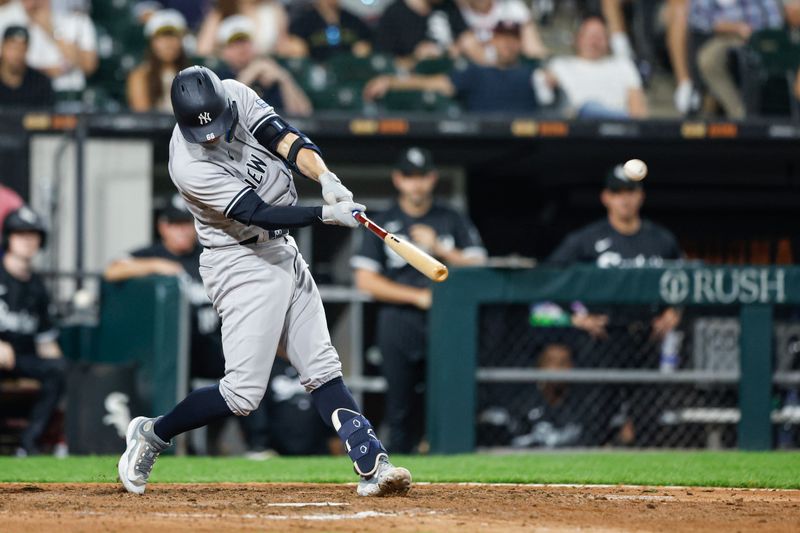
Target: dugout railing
750,294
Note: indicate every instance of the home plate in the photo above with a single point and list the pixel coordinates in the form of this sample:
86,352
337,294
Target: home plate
308,504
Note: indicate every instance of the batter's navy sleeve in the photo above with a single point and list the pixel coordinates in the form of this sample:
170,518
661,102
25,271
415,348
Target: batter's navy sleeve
371,255
251,210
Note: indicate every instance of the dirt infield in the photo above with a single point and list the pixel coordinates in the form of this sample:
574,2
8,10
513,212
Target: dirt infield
65,508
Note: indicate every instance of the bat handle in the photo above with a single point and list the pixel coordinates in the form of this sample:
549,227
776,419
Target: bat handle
358,215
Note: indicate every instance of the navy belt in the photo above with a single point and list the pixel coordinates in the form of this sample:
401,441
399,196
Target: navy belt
271,235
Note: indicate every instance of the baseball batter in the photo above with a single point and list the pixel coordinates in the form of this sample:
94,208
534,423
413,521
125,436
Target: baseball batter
230,156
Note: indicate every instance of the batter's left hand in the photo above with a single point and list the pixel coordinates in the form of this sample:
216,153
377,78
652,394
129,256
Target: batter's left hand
341,214
333,191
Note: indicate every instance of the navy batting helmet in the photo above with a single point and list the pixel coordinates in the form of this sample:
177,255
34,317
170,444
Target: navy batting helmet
23,219
202,108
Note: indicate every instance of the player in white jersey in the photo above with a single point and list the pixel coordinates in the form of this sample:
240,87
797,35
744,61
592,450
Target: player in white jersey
230,158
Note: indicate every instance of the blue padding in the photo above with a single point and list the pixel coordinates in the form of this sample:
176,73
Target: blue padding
353,425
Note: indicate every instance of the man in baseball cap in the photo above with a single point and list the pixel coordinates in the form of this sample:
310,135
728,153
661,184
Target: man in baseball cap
405,293
415,162
617,180
21,86
177,253
28,334
168,21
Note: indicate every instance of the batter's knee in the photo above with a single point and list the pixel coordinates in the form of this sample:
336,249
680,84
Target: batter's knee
242,398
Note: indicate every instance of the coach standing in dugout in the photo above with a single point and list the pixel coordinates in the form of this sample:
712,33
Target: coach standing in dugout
28,336
405,293
627,337
622,239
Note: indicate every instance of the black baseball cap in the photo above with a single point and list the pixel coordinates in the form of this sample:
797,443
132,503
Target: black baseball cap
415,161
174,209
616,181
508,27
16,32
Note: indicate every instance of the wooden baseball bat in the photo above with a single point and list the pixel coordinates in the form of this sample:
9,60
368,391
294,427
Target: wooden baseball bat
423,262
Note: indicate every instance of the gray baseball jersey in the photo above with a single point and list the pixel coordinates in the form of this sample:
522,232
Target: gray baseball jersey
212,178
263,292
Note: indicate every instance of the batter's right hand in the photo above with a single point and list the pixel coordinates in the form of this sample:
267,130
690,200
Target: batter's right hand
341,214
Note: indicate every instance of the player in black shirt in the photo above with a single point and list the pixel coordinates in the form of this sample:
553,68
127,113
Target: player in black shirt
622,338
623,239
21,86
178,254
424,29
405,293
325,29
28,337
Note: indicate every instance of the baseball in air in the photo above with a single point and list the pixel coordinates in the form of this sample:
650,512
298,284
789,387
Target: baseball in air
635,169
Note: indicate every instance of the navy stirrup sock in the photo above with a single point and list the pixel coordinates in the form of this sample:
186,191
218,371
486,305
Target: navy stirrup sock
201,407
338,409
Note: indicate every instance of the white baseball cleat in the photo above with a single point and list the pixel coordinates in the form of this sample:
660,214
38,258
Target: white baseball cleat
143,448
388,480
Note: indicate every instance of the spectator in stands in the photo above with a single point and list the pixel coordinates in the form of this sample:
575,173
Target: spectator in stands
597,85
686,97
614,14
483,16
323,29
21,86
64,46
192,10
271,81
268,16
9,201
405,294
28,335
727,26
414,30
506,87
149,84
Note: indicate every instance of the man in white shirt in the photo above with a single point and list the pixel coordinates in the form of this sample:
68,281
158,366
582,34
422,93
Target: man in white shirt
597,85
64,47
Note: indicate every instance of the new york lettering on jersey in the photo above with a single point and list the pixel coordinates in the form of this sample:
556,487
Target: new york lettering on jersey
213,177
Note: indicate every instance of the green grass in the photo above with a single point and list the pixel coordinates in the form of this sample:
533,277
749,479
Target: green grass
719,469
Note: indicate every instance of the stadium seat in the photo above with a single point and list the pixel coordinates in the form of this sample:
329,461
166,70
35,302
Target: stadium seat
347,68
429,67
767,67
420,101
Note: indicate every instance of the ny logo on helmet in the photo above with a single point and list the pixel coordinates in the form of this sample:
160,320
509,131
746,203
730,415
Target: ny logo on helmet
205,118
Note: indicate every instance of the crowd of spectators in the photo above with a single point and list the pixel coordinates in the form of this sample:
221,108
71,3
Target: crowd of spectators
457,50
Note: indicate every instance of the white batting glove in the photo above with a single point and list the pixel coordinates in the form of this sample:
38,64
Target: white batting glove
333,191
341,214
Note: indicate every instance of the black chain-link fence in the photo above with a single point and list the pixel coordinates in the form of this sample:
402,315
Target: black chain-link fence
545,383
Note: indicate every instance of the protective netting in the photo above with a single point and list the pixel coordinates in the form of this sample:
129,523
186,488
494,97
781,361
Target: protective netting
543,383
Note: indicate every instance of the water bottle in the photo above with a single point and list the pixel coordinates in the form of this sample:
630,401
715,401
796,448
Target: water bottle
670,351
